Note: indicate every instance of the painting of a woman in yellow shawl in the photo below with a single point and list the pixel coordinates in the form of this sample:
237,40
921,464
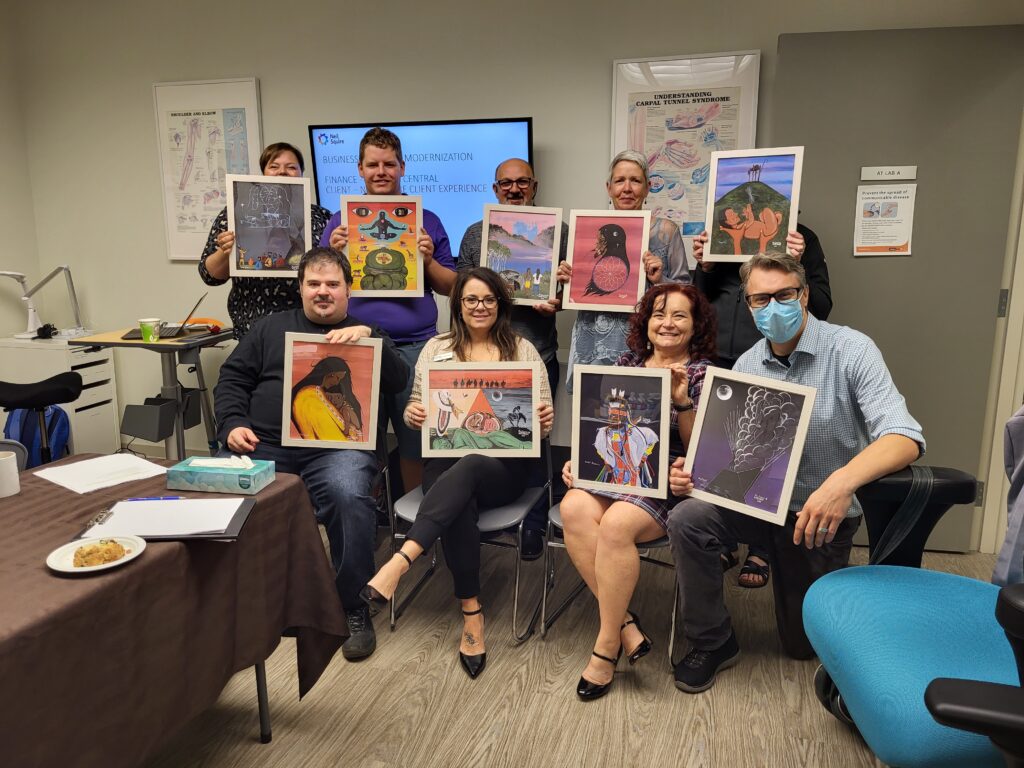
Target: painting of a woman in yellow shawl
324,406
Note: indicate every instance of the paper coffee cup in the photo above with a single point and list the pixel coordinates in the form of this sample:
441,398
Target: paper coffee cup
9,484
150,327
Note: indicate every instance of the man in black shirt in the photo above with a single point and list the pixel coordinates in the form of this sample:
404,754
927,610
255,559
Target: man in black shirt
248,400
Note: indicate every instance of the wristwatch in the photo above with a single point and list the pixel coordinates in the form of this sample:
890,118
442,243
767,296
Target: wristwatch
683,408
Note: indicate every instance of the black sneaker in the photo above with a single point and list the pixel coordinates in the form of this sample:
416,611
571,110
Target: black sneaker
697,671
362,640
533,544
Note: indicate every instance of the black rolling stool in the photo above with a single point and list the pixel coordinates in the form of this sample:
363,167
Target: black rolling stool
62,388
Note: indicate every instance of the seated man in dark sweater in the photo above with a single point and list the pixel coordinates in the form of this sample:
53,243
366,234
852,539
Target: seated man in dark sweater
248,401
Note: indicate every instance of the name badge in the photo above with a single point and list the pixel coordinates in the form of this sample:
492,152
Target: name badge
443,357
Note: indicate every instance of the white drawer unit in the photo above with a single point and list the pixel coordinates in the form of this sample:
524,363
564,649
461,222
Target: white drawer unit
93,416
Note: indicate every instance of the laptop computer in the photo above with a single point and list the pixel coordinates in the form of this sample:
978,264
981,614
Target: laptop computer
168,330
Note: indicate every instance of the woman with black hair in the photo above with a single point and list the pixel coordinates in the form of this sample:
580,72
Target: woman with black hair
454,490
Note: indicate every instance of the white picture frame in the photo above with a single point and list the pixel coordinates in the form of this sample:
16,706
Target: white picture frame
733,459
751,230
205,129
593,386
584,229
364,248
359,388
453,392
260,205
509,263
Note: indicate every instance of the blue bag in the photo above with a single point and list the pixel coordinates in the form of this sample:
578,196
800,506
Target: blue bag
23,425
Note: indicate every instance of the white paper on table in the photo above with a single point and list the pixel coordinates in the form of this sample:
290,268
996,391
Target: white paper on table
101,472
166,517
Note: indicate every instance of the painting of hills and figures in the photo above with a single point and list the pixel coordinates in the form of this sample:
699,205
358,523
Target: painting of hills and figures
520,243
754,202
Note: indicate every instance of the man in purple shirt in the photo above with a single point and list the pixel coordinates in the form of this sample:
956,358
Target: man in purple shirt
409,322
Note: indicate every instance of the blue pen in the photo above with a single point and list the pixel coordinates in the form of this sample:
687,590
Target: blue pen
155,498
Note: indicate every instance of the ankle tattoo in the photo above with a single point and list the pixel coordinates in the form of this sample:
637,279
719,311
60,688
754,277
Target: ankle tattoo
470,640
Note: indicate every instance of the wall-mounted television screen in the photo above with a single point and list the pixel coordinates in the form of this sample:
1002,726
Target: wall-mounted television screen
451,164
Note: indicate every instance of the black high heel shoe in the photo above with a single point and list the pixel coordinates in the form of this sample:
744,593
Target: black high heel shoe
645,645
372,597
475,664
589,691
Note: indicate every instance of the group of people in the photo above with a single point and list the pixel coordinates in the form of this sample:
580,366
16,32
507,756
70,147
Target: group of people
766,317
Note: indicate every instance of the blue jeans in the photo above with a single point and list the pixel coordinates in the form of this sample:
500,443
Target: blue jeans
339,483
392,407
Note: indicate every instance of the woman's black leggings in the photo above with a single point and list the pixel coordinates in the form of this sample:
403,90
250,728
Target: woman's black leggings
454,492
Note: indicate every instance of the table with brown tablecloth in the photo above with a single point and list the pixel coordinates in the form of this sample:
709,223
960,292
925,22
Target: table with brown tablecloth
102,668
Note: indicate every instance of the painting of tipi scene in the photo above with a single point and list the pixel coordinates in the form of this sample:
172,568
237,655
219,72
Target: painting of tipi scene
485,408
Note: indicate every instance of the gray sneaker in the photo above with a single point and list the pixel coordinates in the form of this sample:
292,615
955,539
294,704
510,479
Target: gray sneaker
362,640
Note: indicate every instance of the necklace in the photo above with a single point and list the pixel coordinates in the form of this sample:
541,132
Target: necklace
488,354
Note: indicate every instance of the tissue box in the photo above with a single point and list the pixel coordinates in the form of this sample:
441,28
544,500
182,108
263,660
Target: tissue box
184,477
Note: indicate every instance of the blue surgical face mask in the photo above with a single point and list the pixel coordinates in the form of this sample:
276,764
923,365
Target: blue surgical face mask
780,320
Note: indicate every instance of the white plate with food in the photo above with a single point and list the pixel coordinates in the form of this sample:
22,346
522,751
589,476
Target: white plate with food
91,555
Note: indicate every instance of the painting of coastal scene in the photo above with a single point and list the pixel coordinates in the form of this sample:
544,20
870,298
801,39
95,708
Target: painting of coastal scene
520,243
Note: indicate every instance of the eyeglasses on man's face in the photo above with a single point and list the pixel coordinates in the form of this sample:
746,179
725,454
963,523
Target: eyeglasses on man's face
507,184
472,302
761,300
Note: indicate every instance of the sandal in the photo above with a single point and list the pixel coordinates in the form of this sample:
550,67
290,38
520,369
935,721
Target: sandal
644,646
758,575
729,561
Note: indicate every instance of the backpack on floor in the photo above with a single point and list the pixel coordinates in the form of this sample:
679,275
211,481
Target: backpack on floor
23,425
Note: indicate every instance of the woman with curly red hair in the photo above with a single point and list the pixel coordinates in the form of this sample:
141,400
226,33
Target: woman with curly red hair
674,327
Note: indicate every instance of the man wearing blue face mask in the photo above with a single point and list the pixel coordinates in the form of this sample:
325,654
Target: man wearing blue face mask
860,430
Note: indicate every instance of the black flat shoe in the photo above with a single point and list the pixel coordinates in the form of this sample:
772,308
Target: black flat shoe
474,664
644,646
589,691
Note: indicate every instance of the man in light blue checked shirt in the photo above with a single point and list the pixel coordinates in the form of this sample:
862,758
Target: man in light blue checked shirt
860,430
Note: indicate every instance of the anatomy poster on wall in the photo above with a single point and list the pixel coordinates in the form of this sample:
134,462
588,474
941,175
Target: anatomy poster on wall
205,131
676,111
382,250
677,130
331,392
755,194
747,441
521,244
484,408
884,219
270,216
606,254
620,429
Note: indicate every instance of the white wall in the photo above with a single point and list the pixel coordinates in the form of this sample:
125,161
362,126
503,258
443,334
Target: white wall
85,71
18,247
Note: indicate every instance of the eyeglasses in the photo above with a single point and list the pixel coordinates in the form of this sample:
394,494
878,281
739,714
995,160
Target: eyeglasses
506,184
472,302
761,300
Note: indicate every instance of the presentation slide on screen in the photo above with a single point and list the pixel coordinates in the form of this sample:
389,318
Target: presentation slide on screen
451,165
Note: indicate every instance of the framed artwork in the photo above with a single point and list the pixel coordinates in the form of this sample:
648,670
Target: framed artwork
520,243
270,217
331,393
606,251
620,429
754,200
382,232
205,129
747,441
484,408
677,110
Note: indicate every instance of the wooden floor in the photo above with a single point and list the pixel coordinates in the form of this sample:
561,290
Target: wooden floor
411,705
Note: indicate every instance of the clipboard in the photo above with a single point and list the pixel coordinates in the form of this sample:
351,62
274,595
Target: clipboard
127,516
